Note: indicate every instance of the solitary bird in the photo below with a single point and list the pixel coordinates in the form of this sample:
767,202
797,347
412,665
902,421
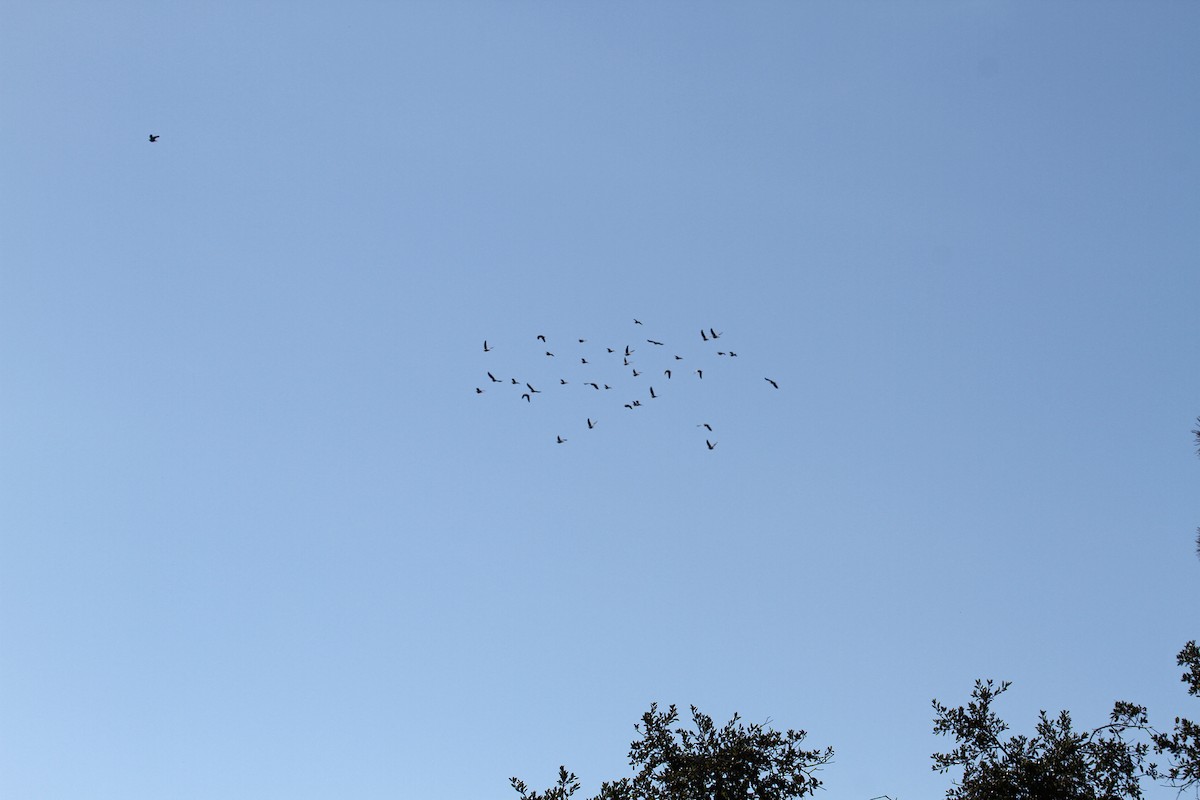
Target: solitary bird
514,380
715,335
541,338
550,354
609,349
494,378
533,390
679,358
562,382
700,372
628,352
711,445
581,341
560,440
651,341
667,372
593,385
526,396
732,354
486,349
478,390
702,336
773,383
704,425
653,396
153,137
635,372
591,424
637,322
629,406
583,360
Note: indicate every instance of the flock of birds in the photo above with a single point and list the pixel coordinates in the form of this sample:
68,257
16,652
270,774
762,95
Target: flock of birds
595,362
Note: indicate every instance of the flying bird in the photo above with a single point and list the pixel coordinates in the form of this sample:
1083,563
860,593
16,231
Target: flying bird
651,341
541,338
478,390
637,322
627,362
494,378
593,385
702,336
773,383
606,386
560,440
562,382
629,406
628,352
704,425
732,354
715,335
609,349
583,360
533,390
514,380
653,396
679,358
526,396
711,445
635,372
700,372
637,402
487,349
153,137
667,372
550,354
591,424
581,341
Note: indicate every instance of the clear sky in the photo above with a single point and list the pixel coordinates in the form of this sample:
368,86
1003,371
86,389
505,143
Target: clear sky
260,537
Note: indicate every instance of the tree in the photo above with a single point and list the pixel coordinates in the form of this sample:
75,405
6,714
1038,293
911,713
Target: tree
735,762
1058,763
1183,743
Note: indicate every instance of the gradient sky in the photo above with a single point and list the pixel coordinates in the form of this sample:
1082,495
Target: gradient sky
259,536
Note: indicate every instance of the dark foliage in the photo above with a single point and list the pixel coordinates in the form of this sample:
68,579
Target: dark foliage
1058,763
1183,743
734,762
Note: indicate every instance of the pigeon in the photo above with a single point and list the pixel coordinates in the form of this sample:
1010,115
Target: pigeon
606,386
609,349
627,362
637,402
487,349
711,445
153,137
628,352
629,406
773,383
732,354
514,380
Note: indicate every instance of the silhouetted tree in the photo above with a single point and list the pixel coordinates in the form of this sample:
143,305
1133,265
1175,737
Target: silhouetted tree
1183,743
1058,763
735,762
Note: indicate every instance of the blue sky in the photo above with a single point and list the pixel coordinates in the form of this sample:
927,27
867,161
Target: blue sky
261,538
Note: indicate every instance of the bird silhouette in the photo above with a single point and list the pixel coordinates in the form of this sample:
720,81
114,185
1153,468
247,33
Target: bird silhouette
526,396
711,445
533,390
702,336
550,354
679,358
715,335
562,382
627,362
700,372
494,378
651,341
732,354
653,396
581,341
667,372
153,137
773,383
635,372
487,349
609,349
478,390
637,322
583,360
560,440
606,386
628,352
629,406
593,385
637,402
705,425
514,380
591,424
541,338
